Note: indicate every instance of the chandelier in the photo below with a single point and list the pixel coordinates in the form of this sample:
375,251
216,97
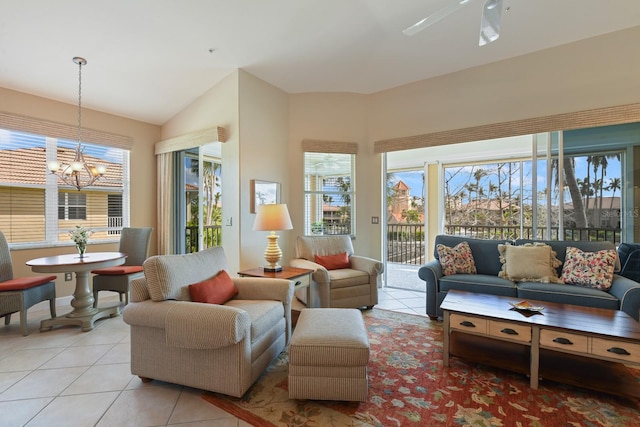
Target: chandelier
77,173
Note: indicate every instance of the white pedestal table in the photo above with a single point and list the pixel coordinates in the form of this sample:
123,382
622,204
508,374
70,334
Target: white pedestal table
83,313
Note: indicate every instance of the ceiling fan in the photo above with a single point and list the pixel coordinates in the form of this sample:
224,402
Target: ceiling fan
489,25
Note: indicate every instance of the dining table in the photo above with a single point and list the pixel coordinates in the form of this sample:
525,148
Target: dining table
83,312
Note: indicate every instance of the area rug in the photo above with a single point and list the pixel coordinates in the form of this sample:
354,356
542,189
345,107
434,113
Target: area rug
408,386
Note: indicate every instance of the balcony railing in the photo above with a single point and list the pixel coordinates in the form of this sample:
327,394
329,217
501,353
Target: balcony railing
212,237
405,242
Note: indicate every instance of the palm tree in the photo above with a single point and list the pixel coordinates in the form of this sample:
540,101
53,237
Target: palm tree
580,215
614,184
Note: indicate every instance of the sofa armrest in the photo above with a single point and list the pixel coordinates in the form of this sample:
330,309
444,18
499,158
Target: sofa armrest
191,325
320,274
431,273
628,293
370,265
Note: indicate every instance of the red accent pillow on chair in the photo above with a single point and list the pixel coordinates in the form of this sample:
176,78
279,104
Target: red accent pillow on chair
333,262
214,290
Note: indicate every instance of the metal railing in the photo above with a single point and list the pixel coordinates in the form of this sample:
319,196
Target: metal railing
405,242
212,237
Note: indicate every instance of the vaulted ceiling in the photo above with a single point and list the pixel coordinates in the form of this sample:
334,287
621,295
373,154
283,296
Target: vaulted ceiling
149,59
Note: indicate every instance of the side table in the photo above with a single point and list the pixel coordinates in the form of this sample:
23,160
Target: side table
302,277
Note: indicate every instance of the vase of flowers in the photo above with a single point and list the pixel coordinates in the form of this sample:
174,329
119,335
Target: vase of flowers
80,236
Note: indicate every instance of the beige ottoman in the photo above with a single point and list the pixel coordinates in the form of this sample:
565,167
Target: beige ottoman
328,355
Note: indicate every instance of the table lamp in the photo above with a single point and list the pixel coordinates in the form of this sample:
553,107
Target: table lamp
272,218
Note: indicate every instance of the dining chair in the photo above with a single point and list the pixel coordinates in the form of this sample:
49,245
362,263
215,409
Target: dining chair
135,243
18,294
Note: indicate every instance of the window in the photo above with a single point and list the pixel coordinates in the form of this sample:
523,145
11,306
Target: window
329,193
497,199
72,206
37,210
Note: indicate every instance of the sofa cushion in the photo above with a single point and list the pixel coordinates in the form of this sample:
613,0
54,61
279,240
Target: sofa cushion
567,294
479,283
456,260
485,252
217,289
591,269
348,277
533,262
333,262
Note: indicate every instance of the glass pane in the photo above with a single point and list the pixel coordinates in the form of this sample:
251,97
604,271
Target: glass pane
329,193
22,186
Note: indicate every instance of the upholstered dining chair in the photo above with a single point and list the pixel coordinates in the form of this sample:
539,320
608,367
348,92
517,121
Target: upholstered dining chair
18,294
135,243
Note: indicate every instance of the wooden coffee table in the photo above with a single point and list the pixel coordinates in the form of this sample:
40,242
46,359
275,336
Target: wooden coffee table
582,346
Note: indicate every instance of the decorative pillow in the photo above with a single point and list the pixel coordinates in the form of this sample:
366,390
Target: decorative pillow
591,269
531,262
333,262
214,290
456,260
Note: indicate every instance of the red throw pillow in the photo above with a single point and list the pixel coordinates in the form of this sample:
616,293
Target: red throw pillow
214,290
333,262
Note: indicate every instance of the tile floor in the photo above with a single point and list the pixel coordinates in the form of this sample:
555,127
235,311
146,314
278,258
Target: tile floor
71,378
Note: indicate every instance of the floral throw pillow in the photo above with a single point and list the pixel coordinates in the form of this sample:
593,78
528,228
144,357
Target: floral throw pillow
591,269
456,260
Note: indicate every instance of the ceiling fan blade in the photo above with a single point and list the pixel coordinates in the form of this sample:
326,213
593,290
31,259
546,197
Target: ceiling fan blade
435,17
490,24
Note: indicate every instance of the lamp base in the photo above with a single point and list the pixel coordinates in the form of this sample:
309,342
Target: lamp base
276,269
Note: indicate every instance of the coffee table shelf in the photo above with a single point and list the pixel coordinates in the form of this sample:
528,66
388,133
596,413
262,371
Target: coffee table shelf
585,347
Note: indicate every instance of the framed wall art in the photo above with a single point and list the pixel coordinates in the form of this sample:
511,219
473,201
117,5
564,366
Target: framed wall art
263,193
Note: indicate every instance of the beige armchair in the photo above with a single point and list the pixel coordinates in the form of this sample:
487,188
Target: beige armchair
353,287
220,348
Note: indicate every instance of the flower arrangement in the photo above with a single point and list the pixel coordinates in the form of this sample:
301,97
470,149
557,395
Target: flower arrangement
80,236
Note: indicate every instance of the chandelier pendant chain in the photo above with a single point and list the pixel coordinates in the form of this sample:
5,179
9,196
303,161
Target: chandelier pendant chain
80,63
78,173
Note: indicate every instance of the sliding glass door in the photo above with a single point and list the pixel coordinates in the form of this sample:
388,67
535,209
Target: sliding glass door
199,207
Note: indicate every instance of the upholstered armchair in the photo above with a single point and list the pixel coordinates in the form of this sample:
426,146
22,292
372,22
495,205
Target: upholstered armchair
217,347
353,285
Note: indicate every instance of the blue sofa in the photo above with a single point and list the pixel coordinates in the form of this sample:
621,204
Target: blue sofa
624,293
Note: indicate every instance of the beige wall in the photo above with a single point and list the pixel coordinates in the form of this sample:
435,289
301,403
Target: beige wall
258,118
254,115
338,117
593,73
143,167
264,113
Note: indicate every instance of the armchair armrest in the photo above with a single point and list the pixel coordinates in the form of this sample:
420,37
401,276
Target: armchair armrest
319,275
190,324
628,293
260,288
370,265
139,290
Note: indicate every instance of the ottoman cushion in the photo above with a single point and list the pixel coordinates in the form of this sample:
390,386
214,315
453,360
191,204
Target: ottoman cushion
328,355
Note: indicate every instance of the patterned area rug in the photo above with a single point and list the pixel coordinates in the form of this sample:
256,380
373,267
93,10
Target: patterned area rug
409,386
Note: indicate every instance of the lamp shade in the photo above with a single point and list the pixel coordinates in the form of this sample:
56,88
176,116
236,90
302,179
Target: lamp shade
272,218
